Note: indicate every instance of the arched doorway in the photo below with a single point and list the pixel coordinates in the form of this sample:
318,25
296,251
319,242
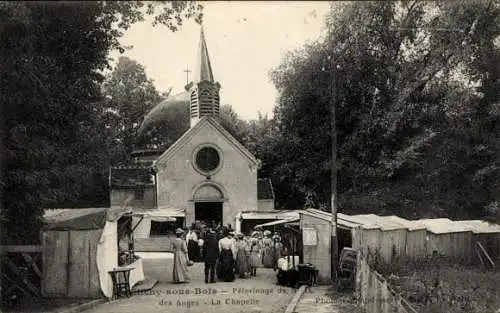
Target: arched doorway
208,204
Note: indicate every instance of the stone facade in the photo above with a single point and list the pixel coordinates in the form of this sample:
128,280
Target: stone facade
265,205
179,180
133,197
206,173
132,186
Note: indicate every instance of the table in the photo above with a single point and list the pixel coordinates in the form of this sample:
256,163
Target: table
136,273
308,274
121,281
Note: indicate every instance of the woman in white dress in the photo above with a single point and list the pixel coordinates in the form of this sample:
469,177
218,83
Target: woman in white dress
193,247
180,271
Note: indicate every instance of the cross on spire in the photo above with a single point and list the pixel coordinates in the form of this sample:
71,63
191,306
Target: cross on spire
187,71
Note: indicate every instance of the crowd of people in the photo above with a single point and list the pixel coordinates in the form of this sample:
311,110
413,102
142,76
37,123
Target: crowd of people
226,255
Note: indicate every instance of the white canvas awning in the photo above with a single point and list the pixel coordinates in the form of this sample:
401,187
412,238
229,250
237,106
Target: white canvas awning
142,218
279,222
160,214
442,226
82,218
343,221
480,227
271,215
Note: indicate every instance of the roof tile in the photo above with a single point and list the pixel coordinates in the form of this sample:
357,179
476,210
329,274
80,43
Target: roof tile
129,176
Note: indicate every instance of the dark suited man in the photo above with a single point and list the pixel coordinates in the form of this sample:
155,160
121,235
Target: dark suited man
210,255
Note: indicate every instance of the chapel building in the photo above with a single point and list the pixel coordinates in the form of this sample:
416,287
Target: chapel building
206,175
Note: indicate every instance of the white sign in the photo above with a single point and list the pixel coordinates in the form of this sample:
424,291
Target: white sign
309,237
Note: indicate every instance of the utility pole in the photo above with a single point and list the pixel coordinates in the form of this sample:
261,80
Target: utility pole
333,126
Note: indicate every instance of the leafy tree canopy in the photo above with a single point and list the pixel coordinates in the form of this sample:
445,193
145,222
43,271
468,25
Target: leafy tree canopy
416,96
54,142
128,95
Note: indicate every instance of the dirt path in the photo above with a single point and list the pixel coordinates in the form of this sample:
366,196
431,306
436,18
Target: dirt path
256,294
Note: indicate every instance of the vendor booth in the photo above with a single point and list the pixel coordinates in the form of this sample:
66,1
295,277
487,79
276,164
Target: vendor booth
289,231
80,249
157,222
153,229
247,220
289,265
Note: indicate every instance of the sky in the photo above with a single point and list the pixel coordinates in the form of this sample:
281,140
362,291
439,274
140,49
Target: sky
245,41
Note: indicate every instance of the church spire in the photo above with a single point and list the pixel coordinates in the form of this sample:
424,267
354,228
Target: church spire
204,68
204,91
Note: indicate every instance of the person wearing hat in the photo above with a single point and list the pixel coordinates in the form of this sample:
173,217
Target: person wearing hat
192,243
225,266
277,250
232,236
180,272
210,254
248,255
241,257
267,250
255,255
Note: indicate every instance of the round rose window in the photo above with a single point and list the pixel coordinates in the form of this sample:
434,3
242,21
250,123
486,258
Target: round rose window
207,159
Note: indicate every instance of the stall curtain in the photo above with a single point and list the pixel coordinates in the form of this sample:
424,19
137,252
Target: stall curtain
143,229
107,257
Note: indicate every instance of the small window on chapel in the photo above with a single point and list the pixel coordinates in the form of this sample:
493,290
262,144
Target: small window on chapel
139,194
207,159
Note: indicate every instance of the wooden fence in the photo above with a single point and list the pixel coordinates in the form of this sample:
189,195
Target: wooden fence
375,294
21,273
70,264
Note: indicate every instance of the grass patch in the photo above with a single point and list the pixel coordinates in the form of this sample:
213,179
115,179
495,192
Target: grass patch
441,285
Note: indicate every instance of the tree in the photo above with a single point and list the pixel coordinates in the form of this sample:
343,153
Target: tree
264,140
258,130
129,95
52,56
302,119
233,123
404,120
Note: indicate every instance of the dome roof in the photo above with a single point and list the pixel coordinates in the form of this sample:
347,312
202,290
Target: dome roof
160,111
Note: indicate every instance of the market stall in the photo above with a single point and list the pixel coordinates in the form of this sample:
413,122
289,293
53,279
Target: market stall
290,236
80,249
288,229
